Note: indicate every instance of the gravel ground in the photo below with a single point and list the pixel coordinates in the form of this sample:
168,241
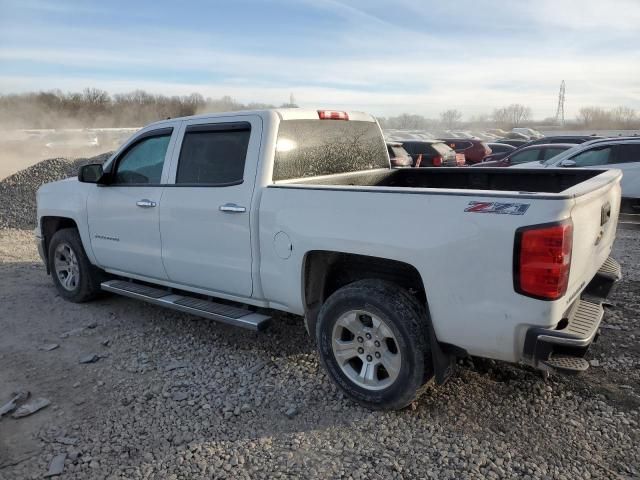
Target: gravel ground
168,395
173,396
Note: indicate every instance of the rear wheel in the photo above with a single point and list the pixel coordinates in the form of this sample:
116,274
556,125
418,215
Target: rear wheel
373,341
75,278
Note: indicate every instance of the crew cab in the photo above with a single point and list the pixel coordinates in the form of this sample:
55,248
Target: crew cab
396,272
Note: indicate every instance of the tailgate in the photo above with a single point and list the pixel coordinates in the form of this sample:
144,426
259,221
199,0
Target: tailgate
595,219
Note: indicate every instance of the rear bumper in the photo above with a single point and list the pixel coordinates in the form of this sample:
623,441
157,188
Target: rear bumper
579,327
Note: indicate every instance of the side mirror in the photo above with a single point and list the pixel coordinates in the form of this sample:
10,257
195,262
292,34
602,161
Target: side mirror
90,173
568,163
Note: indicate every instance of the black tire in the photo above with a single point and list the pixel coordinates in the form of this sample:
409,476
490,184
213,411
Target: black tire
87,287
406,318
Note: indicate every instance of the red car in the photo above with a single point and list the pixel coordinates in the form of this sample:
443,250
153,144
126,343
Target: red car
474,150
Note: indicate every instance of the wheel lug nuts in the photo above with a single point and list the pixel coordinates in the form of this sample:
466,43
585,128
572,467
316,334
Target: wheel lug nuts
377,354
377,344
368,336
369,358
360,350
360,339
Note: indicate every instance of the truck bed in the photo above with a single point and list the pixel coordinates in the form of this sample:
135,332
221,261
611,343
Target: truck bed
498,179
465,258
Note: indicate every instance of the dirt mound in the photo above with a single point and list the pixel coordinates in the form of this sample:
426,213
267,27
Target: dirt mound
18,192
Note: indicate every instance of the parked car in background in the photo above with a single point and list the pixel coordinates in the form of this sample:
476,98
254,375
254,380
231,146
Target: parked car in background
398,156
486,136
465,134
474,150
71,141
529,132
618,152
498,132
518,136
531,153
514,142
430,153
575,139
564,139
498,151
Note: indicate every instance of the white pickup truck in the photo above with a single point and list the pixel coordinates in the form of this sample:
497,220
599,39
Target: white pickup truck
396,271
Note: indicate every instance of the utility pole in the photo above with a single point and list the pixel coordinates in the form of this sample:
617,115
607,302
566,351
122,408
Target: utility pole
560,109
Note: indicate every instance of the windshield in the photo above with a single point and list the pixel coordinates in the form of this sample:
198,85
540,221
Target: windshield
307,148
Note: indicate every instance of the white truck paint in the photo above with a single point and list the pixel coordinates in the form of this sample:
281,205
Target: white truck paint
182,237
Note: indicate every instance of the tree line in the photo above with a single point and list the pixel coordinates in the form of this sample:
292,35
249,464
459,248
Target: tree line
517,115
97,108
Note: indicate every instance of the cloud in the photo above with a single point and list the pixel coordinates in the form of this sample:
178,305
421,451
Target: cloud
605,17
412,57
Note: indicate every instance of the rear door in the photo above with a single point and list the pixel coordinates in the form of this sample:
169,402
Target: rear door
205,215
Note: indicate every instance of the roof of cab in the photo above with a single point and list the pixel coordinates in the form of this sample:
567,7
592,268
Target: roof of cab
283,113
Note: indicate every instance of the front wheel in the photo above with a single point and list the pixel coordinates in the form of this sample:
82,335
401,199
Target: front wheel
75,278
373,341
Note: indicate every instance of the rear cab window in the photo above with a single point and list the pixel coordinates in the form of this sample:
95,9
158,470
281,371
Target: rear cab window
307,148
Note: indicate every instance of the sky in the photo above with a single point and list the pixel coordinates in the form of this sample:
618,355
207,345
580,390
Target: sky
384,57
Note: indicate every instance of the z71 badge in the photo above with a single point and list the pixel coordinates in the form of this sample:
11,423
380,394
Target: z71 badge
496,207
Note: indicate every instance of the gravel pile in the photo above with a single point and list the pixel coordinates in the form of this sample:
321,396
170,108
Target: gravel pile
18,192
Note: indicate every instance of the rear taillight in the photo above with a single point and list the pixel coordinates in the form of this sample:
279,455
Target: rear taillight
542,260
437,161
332,115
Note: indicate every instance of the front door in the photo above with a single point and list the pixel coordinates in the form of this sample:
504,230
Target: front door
205,219
124,219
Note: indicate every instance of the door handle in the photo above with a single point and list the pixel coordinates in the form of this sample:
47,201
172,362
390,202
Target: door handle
232,208
144,203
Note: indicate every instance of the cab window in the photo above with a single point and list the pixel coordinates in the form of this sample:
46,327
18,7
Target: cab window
142,163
